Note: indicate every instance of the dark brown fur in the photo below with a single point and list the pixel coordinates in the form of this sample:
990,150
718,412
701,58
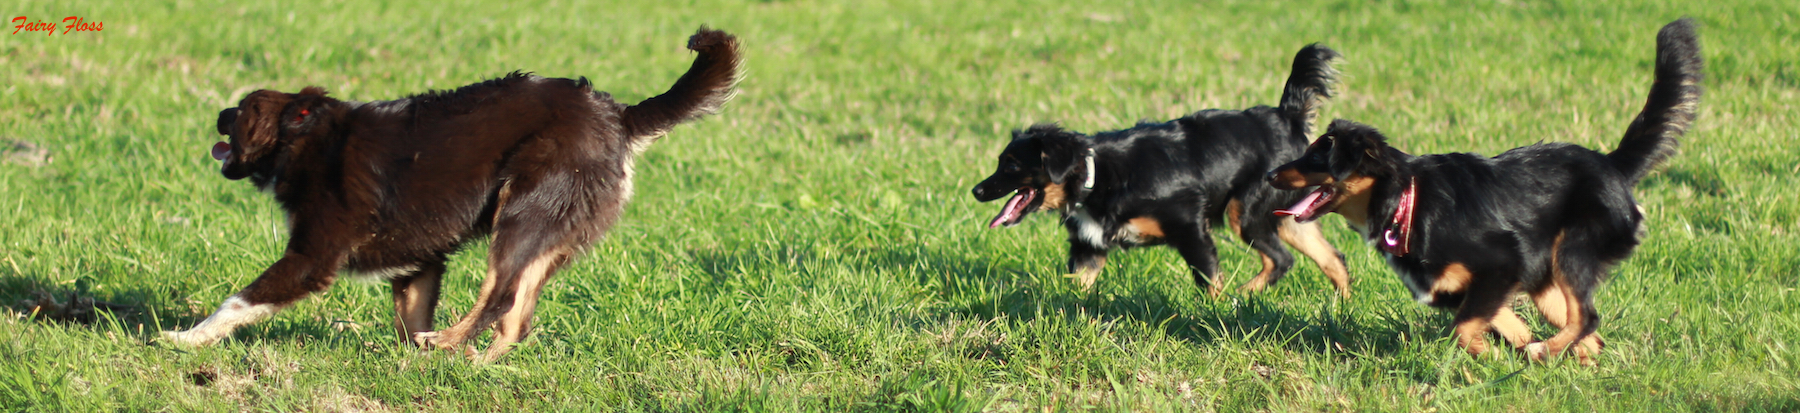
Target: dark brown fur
393,187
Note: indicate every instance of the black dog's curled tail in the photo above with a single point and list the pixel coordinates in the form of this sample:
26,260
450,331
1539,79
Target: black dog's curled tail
1674,97
708,84
1308,87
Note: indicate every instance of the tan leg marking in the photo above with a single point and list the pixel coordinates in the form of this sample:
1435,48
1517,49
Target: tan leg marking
513,326
1472,335
1085,277
1261,280
450,339
1561,308
1234,213
1511,328
1307,238
1554,304
413,309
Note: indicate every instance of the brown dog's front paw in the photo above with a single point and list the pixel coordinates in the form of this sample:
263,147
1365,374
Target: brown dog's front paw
181,338
190,338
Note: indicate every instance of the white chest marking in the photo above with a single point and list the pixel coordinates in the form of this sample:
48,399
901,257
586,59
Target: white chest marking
1087,230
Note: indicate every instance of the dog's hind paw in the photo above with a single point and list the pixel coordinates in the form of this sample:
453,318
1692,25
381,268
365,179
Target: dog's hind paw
1536,351
426,339
434,340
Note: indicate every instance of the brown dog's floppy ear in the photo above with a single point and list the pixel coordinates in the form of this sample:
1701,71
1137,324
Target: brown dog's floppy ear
259,121
1063,152
308,111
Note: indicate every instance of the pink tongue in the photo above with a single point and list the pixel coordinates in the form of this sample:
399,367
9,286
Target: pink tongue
221,150
1010,211
1302,207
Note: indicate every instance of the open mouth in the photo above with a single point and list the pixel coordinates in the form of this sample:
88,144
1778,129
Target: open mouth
1015,208
220,151
1309,208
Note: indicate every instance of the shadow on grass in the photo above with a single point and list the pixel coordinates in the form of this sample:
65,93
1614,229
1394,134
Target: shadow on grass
970,288
132,311
71,303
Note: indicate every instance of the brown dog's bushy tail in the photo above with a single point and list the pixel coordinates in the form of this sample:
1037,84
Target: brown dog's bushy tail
702,91
1308,87
1675,95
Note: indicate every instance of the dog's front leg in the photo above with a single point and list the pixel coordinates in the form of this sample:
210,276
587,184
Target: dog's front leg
1196,247
291,278
315,251
1085,262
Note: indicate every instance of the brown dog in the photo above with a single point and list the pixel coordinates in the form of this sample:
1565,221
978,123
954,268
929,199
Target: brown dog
389,189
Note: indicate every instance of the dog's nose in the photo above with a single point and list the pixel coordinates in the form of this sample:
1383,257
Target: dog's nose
977,192
1269,177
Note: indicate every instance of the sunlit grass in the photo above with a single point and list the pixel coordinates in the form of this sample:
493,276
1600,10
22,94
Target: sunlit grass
814,246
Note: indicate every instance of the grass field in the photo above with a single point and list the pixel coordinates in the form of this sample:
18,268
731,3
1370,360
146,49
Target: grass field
814,247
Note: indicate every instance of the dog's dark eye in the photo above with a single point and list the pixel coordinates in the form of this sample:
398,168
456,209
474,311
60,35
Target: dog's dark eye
1012,167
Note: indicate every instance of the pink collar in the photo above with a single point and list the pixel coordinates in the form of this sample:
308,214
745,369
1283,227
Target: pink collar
1397,239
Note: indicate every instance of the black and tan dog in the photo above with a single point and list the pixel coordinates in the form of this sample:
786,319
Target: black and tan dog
1468,232
1170,182
390,189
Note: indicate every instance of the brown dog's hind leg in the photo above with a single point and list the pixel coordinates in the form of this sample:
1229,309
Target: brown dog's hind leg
513,326
542,219
415,298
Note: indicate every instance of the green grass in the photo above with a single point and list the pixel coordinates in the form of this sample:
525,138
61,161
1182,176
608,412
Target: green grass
814,247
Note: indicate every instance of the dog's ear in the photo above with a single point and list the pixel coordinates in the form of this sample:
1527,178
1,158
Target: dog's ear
309,112
257,122
1062,151
1357,148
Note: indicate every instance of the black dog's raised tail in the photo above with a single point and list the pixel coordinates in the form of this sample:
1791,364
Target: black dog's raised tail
1674,97
1308,86
703,90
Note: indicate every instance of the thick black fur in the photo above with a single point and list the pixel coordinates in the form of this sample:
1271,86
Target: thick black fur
1182,174
1523,221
